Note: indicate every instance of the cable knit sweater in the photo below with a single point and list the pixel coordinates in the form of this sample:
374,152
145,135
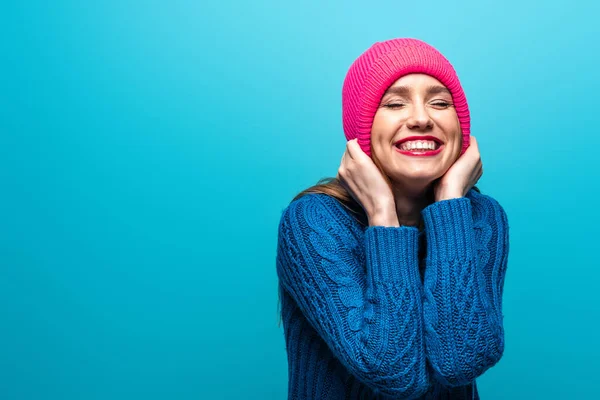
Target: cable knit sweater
391,312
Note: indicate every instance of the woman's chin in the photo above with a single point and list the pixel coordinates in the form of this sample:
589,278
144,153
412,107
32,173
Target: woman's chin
421,178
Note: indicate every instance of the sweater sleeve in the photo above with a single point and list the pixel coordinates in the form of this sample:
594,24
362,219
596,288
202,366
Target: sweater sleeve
467,254
366,308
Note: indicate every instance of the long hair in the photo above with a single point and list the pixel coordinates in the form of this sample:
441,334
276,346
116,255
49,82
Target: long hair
334,188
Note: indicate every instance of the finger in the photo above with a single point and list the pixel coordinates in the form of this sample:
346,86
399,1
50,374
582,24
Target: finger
342,160
353,149
473,149
474,143
342,166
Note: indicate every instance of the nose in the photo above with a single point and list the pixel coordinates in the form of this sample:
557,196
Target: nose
419,118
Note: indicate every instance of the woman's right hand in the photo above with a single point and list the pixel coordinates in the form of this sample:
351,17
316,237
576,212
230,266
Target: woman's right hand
367,185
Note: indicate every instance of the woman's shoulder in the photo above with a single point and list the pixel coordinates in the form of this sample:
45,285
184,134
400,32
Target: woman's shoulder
320,203
483,200
478,195
318,208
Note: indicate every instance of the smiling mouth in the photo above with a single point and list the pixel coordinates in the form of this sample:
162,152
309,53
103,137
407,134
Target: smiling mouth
418,143
427,152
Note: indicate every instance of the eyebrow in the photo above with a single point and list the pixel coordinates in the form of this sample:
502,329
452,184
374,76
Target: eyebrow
403,90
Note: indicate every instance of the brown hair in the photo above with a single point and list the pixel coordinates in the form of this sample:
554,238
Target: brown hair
334,188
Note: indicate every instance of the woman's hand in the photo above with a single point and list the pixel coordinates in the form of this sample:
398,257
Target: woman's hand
461,176
367,185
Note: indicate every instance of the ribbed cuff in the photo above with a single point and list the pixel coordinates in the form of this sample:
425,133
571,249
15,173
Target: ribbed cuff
449,229
392,253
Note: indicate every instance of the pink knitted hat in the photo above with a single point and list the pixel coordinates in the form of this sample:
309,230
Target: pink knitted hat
374,71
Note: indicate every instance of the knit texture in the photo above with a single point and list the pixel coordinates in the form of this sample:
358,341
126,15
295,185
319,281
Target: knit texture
375,70
363,320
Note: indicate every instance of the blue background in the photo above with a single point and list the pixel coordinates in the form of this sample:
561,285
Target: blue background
148,148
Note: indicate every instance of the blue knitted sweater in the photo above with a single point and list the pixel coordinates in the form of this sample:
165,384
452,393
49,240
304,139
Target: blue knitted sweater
374,312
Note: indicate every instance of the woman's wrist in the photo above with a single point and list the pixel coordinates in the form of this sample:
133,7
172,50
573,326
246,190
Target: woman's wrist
388,219
447,194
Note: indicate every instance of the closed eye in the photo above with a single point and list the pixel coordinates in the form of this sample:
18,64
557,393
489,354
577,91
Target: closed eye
437,104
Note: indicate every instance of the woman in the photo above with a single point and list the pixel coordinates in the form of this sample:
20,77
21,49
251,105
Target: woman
391,274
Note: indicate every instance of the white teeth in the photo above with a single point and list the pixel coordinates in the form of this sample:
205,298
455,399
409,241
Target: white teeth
419,145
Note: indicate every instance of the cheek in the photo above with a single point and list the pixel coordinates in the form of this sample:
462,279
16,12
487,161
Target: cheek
383,128
454,155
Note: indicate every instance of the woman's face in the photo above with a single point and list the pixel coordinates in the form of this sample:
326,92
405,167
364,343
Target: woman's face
415,105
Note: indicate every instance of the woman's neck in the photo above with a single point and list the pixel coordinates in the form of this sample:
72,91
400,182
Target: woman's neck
410,203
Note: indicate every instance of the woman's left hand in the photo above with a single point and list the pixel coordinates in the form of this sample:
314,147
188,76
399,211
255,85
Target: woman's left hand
461,176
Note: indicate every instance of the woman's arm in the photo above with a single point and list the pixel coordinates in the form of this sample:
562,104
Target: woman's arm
467,254
369,310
